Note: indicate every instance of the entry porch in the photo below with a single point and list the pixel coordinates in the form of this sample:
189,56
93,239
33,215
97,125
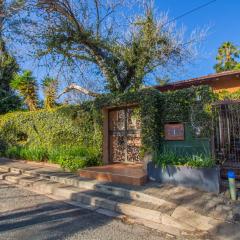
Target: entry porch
123,173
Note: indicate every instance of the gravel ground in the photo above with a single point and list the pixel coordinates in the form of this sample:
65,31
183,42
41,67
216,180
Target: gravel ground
27,215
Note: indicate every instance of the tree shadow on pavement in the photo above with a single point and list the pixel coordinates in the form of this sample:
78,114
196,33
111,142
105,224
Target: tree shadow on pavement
54,220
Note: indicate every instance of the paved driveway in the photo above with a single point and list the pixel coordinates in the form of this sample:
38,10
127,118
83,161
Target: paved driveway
27,215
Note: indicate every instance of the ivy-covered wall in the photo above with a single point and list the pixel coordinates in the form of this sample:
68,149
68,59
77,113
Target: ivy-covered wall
191,145
73,135
191,106
150,103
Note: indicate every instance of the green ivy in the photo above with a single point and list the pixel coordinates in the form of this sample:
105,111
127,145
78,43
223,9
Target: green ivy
73,135
149,102
190,105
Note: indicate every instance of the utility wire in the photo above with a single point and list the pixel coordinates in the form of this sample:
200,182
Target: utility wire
191,11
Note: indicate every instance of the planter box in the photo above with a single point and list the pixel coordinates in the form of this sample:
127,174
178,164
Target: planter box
206,179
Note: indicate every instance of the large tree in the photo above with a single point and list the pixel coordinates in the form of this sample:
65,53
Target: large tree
227,58
125,49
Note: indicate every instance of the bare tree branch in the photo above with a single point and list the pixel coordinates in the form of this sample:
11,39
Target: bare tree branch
74,86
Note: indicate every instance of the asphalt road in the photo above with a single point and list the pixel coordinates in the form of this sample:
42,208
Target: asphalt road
27,215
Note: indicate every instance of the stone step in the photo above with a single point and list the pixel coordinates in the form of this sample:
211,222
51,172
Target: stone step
169,217
89,184
74,193
136,177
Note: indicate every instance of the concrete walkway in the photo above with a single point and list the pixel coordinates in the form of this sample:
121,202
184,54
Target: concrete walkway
174,209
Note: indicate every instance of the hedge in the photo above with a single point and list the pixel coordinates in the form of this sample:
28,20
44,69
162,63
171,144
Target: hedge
64,135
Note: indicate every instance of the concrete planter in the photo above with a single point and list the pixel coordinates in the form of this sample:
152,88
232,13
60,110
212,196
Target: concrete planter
206,179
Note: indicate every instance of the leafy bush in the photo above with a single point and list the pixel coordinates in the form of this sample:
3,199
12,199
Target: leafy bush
65,135
64,126
35,153
225,95
199,161
72,158
168,157
75,157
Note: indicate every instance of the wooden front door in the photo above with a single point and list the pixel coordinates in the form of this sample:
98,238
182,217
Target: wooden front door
124,135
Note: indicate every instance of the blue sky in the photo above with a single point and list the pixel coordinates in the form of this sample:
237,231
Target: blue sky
222,16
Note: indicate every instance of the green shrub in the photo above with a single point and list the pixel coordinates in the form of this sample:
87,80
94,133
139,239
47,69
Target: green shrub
191,105
72,158
75,157
3,147
63,126
72,163
167,157
199,161
34,154
61,152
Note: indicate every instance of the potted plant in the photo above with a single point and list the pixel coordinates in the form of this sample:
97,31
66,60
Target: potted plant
197,171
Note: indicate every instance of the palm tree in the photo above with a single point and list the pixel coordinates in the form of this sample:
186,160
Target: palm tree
50,92
26,85
227,57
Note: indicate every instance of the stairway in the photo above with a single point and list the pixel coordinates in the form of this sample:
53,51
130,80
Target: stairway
113,201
